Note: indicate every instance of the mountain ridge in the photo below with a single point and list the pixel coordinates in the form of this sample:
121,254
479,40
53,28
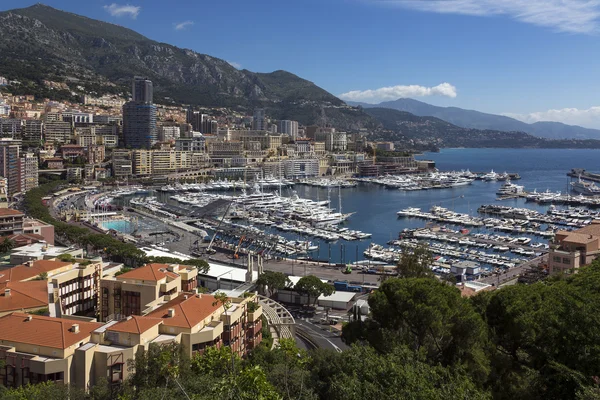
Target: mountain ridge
479,120
59,45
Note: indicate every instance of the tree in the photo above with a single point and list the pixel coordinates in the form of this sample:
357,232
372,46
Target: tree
313,287
271,282
7,245
415,262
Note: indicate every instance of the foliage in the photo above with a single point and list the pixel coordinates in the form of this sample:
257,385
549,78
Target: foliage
313,287
415,262
7,245
123,270
272,281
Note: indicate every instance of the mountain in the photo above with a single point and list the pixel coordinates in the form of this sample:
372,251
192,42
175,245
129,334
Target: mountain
42,43
479,120
425,132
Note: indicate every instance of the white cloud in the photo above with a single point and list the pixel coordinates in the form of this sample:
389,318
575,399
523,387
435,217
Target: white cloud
574,16
117,10
182,25
235,65
589,118
395,92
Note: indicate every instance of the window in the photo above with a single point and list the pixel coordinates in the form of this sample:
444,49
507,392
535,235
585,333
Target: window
556,259
115,373
566,261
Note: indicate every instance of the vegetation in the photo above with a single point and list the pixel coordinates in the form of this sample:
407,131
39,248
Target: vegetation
415,262
313,287
270,282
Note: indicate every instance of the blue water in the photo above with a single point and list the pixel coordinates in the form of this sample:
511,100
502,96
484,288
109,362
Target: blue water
122,226
376,207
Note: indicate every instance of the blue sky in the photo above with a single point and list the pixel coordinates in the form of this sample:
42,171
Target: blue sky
535,59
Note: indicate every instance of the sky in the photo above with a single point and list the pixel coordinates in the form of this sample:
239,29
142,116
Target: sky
530,59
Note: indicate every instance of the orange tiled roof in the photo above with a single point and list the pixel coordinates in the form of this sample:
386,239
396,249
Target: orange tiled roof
188,312
135,324
24,272
149,272
5,212
23,295
43,331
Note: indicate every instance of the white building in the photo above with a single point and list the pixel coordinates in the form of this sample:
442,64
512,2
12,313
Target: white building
301,168
167,133
289,128
336,141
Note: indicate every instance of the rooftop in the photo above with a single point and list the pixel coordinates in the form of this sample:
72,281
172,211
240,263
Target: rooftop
43,331
6,212
30,271
189,311
152,272
23,295
135,324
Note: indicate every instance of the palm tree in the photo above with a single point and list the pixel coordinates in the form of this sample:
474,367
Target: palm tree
7,245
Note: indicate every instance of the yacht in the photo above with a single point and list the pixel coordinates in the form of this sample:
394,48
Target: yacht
585,188
510,188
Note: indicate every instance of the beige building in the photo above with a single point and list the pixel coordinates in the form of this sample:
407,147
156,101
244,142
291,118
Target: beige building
137,290
574,249
39,349
154,162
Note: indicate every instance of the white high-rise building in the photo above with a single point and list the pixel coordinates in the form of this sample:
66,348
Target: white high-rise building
259,123
289,128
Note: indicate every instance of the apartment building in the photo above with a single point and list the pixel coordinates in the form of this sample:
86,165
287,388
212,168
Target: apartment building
11,221
80,353
28,172
155,162
36,227
122,163
225,149
301,168
33,130
58,131
11,127
95,153
135,291
9,164
574,249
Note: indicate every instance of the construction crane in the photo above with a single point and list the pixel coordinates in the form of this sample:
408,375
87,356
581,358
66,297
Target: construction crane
209,249
235,255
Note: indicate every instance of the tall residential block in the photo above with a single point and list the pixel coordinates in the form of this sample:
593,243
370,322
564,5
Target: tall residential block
259,122
290,128
139,117
9,164
28,172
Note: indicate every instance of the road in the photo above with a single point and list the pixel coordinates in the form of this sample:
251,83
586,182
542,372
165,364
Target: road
514,272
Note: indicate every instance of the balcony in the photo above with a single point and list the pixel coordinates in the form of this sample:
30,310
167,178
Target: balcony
233,314
209,333
255,315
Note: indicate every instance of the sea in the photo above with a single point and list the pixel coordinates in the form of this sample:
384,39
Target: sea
375,207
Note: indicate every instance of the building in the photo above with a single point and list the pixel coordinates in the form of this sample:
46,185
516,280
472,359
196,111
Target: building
9,164
11,127
139,125
95,154
74,173
210,126
225,149
72,152
290,128
36,227
574,249
195,118
168,133
33,131
149,162
40,251
137,290
75,352
385,146
139,116
267,141
28,172
259,121
58,131
122,163
55,163
336,141
11,221
196,143
298,168
142,91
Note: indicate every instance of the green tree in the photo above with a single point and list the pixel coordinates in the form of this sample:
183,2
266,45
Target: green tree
415,262
7,245
313,287
271,282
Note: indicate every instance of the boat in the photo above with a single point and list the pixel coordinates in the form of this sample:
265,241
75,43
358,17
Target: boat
585,188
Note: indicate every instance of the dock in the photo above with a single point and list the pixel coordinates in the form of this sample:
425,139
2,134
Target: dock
583,174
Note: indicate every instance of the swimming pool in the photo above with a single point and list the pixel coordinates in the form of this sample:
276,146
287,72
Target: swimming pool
121,225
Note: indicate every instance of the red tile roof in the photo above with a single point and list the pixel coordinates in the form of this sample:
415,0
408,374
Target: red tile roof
6,212
44,331
135,324
188,312
24,272
23,295
150,272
